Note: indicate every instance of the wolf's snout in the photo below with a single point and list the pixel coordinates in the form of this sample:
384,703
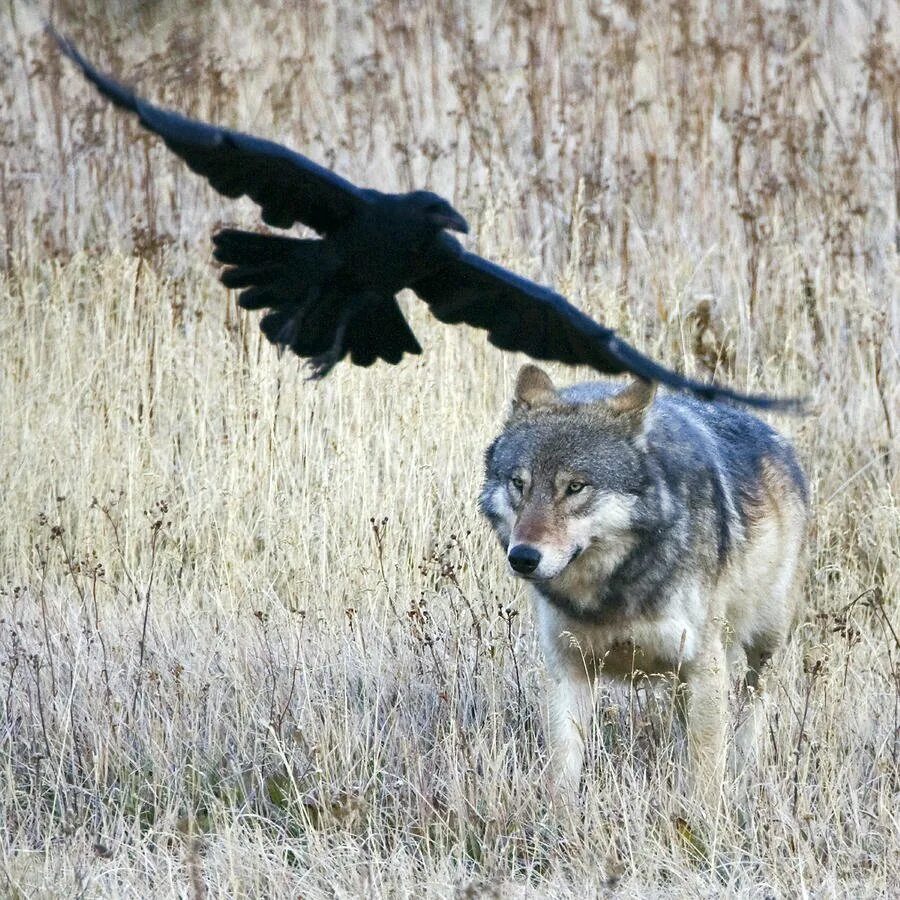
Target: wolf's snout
524,559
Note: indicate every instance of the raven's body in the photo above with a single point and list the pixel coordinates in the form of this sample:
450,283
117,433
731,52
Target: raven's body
384,246
336,296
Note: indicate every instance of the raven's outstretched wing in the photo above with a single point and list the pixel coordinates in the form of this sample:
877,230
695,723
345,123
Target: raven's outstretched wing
522,316
289,187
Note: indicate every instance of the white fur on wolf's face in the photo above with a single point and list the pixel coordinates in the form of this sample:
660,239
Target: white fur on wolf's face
559,523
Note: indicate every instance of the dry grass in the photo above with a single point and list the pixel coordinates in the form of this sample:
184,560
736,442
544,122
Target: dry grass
255,640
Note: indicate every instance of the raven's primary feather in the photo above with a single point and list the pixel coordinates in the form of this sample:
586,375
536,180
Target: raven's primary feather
289,187
334,297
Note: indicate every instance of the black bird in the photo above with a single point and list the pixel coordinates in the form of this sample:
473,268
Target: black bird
336,296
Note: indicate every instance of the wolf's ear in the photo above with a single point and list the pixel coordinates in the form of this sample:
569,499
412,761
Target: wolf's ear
633,403
635,398
533,389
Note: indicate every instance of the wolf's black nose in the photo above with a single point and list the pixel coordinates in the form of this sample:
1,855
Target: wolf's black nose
524,559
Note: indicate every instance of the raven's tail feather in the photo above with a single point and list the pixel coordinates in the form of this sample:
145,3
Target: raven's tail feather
290,277
379,330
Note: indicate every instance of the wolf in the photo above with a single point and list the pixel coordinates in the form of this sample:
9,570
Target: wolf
660,535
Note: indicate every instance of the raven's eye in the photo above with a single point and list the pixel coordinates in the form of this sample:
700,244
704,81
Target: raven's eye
517,483
575,487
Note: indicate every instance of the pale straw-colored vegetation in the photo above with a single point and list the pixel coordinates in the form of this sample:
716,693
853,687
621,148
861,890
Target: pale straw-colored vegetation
254,638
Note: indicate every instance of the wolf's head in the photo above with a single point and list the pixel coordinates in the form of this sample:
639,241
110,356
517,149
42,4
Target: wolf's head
567,473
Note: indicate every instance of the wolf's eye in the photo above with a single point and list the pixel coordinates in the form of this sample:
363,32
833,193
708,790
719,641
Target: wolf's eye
575,487
517,483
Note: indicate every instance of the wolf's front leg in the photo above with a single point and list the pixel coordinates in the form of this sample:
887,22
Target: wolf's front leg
569,710
707,725
752,705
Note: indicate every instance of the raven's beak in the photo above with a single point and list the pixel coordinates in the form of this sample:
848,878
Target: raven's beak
452,221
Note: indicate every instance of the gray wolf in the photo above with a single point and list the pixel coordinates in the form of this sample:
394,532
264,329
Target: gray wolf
658,534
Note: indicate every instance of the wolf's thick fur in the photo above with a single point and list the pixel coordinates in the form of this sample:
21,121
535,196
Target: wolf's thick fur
660,535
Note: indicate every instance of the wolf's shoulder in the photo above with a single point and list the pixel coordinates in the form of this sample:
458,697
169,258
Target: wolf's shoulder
739,440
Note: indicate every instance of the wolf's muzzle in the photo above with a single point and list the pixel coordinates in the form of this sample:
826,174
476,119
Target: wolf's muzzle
524,559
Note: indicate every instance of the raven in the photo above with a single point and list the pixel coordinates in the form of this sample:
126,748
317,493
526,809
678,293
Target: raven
330,297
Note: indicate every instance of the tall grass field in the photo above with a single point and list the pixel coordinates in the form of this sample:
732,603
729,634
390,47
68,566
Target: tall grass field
255,639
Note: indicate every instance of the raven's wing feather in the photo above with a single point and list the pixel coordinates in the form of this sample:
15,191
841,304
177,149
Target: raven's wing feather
520,315
289,187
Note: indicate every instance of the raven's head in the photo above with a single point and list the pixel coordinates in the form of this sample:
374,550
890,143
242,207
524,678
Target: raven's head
435,210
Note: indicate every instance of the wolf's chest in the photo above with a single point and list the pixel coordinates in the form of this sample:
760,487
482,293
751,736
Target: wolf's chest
623,644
